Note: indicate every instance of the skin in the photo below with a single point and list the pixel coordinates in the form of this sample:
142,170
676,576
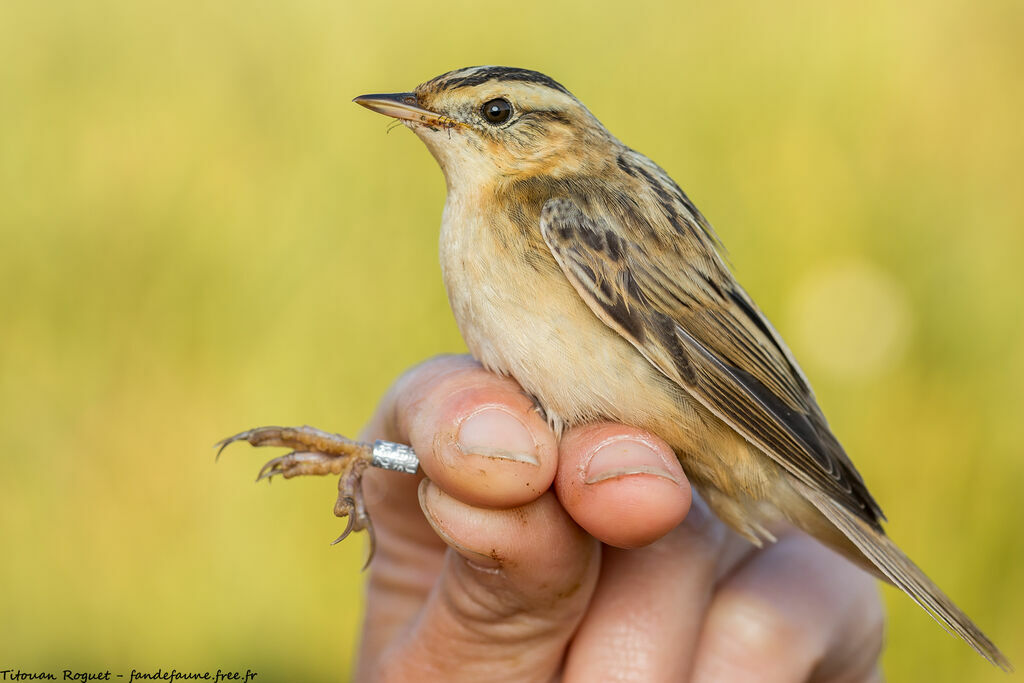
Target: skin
453,594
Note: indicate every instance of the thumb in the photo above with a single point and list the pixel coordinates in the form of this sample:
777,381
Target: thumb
513,588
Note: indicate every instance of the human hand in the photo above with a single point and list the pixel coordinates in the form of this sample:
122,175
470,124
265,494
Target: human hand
485,571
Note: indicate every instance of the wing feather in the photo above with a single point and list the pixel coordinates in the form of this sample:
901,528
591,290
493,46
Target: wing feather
691,320
663,287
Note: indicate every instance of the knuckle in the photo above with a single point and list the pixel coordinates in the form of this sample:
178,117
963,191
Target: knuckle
760,631
481,604
494,607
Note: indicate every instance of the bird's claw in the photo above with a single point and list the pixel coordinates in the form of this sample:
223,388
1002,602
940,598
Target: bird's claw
299,463
350,504
318,453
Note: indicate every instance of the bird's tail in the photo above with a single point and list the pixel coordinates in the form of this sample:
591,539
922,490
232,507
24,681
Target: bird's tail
906,575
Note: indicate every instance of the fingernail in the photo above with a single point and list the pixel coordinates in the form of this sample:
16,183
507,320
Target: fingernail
494,433
626,456
436,507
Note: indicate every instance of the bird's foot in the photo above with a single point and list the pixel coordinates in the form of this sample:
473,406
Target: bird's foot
316,452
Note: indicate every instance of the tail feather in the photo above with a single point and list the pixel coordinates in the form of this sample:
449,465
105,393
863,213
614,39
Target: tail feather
905,575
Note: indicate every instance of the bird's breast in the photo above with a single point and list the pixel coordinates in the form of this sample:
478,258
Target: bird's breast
520,316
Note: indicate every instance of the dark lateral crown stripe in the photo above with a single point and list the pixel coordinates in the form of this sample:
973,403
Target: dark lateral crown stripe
503,73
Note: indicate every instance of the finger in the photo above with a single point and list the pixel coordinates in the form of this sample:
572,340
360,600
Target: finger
432,407
478,436
513,588
623,485
409,554
794,611
646,615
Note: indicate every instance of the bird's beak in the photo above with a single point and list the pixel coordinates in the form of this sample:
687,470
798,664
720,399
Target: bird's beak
404,106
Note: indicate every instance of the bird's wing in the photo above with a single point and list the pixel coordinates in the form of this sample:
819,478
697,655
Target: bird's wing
675,301
664,288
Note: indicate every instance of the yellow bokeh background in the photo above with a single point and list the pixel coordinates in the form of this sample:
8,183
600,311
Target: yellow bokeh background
200,233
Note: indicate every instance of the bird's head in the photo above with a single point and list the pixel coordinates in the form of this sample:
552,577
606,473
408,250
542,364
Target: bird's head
485,123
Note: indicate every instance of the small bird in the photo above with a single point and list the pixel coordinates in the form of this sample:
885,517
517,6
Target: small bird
577,266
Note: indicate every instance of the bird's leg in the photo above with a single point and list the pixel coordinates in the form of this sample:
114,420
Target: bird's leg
538,407
313,451
316,452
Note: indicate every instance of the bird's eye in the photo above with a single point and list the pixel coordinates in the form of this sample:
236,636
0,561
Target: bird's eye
496,111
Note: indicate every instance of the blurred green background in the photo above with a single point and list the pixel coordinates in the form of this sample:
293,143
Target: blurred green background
200,233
